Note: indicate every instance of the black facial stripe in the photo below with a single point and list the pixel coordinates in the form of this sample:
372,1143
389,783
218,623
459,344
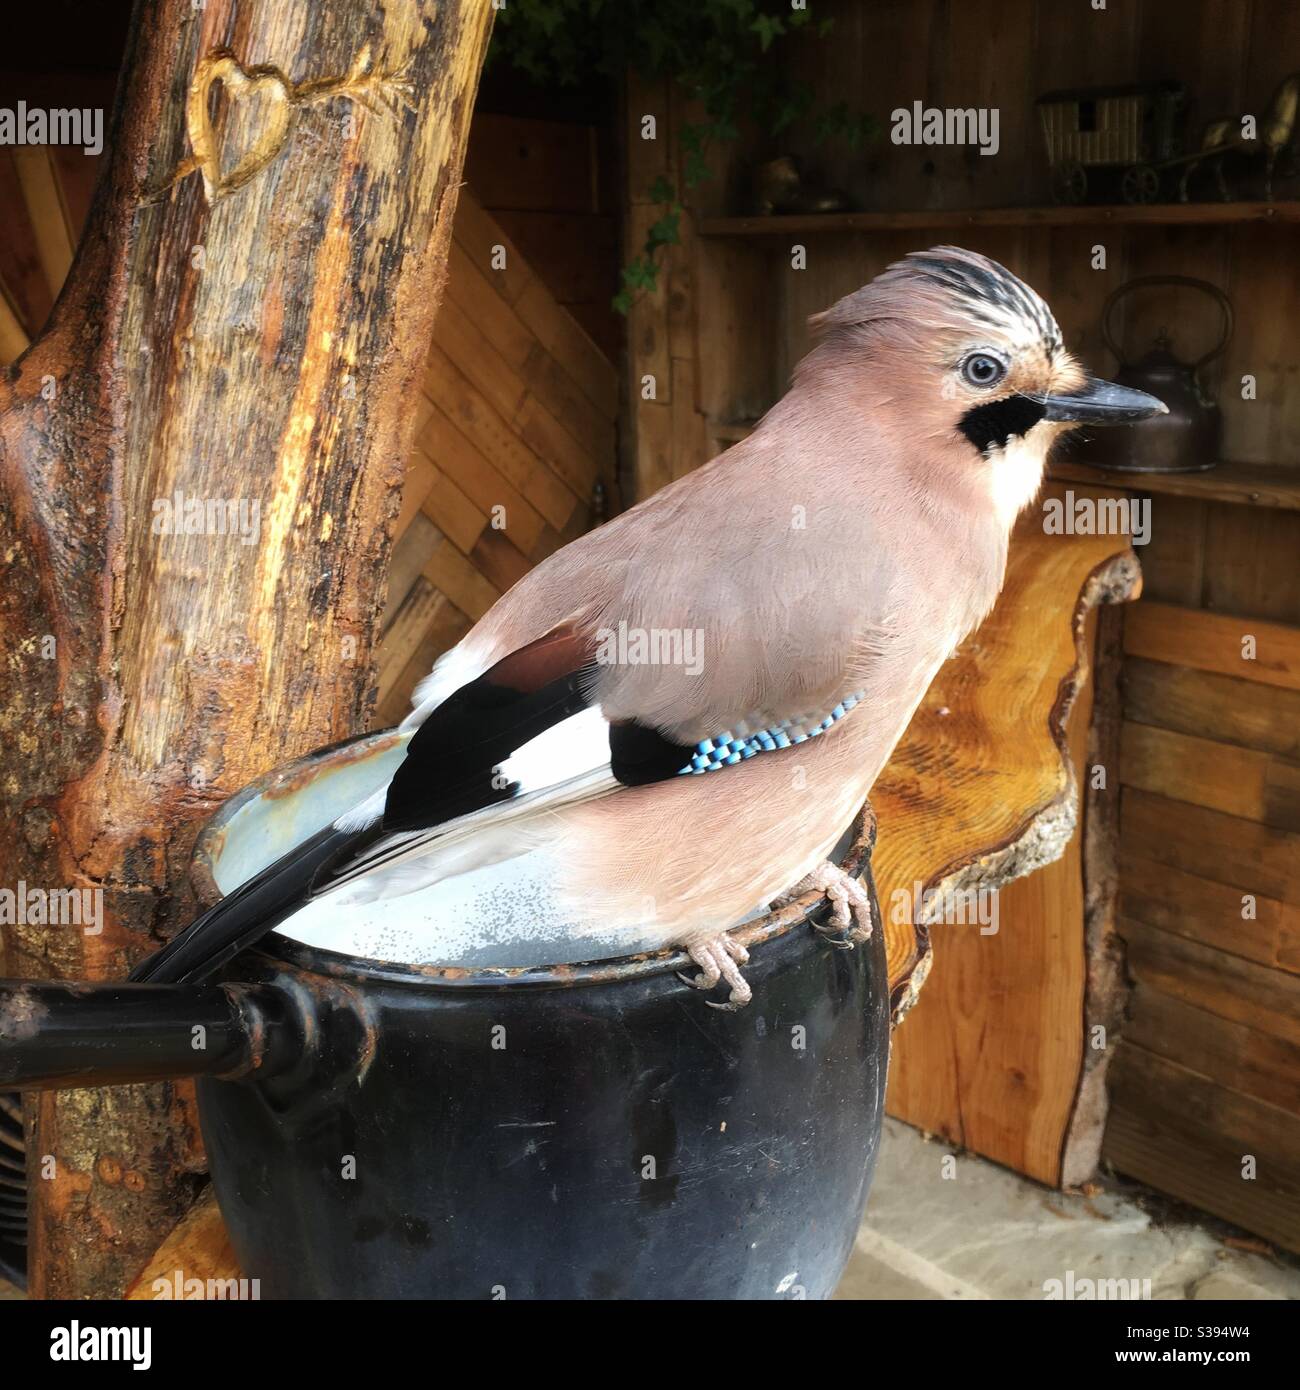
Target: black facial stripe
998,421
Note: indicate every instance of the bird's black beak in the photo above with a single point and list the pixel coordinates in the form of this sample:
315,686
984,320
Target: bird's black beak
1102,403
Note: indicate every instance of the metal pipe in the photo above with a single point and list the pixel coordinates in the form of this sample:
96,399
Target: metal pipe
56,1034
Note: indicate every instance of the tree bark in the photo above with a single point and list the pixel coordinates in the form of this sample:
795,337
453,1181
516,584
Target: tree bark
200,463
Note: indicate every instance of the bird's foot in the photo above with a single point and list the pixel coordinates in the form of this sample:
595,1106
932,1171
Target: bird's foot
719,958
850,904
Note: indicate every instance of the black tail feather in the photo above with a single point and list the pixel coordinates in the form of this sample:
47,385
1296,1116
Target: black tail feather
249,911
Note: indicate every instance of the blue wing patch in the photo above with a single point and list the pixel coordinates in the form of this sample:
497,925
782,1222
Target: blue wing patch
726,749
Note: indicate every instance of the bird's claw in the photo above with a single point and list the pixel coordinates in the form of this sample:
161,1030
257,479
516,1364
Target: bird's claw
719,958
850,919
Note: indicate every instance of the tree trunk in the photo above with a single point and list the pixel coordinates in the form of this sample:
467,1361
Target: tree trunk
200,462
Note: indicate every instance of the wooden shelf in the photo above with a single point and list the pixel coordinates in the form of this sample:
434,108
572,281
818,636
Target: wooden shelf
1246,484
1148,214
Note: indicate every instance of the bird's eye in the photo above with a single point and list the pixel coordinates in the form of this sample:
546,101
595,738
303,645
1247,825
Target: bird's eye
982,370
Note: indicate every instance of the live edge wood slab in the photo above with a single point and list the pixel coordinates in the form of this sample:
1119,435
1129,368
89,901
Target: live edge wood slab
1001,1054
982,790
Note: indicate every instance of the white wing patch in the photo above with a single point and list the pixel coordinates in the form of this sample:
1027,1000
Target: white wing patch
566,763
575,745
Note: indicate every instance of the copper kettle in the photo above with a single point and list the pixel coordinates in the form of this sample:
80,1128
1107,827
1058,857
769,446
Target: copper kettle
1186,440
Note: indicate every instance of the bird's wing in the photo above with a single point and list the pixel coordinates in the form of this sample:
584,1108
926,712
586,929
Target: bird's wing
526,736
461,764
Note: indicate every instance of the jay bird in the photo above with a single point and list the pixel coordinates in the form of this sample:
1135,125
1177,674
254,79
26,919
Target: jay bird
827,565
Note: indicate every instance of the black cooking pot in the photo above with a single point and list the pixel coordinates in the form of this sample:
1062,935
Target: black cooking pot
560,1131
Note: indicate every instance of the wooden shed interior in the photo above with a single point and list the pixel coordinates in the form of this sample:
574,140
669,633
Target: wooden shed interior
1139,1002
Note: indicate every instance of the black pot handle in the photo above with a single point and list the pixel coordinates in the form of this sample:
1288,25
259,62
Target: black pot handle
55,1034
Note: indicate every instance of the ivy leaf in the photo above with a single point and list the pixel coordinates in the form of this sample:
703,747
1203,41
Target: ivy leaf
725,130
641,274
767,27
692,137
790,107
666,231
697,170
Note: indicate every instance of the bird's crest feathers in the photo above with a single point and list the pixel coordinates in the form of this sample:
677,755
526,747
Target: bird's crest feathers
949,288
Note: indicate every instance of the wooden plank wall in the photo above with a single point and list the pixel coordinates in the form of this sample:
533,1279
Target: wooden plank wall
1207,1076
551,186
517,422
45,195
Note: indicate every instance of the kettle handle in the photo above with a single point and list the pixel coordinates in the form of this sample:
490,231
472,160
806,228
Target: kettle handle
1188,282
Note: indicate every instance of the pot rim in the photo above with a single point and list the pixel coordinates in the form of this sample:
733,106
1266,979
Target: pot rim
321,961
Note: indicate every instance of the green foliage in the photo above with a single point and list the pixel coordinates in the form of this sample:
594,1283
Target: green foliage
723,53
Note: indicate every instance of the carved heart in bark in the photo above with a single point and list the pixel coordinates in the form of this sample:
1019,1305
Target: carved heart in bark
268,106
